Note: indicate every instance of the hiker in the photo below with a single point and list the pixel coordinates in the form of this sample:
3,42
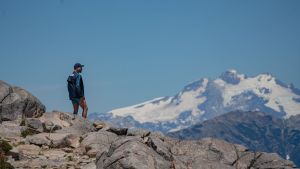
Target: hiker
76,91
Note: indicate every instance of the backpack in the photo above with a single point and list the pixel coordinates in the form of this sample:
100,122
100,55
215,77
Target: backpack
72,86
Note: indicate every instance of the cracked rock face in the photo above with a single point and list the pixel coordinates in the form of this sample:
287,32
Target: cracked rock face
15,102
96,142
159,152
131,152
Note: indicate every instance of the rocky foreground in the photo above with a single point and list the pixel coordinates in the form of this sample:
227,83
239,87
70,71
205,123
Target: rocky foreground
257,131
30,138
54,140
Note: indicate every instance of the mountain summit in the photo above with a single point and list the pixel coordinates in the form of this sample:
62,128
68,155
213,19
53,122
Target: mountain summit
205,99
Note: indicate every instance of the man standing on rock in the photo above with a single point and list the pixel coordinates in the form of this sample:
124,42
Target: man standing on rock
76,91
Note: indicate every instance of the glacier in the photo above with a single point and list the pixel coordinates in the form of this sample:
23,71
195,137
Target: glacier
207,98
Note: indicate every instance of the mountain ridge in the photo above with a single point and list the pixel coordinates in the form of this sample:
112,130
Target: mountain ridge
207,98
256,130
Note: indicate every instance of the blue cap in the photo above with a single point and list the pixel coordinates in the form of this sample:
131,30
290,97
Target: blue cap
77,65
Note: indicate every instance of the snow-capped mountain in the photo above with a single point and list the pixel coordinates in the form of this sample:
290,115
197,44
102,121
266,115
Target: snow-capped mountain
205,99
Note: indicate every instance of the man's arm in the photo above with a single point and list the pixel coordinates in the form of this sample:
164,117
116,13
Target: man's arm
78,87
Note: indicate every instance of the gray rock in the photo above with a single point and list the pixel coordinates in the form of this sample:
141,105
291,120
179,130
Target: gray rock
63,123
35,124
67,140
54,140
16,102
27,150
131,152
161,147
138,132
118,130
98,142
218,154
10,130
50,127
161,152
99,124
89,166
61,119
271,160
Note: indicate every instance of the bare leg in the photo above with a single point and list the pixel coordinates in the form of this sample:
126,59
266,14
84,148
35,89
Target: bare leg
75,112
84,107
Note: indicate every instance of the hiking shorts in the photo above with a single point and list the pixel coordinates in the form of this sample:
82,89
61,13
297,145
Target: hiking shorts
75,101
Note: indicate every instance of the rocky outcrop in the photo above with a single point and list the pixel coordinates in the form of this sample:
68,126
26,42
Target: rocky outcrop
100,141
56,141
63,123
256,130
157,151
15,102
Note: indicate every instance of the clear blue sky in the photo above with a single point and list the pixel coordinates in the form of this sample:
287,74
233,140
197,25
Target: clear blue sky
135,50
